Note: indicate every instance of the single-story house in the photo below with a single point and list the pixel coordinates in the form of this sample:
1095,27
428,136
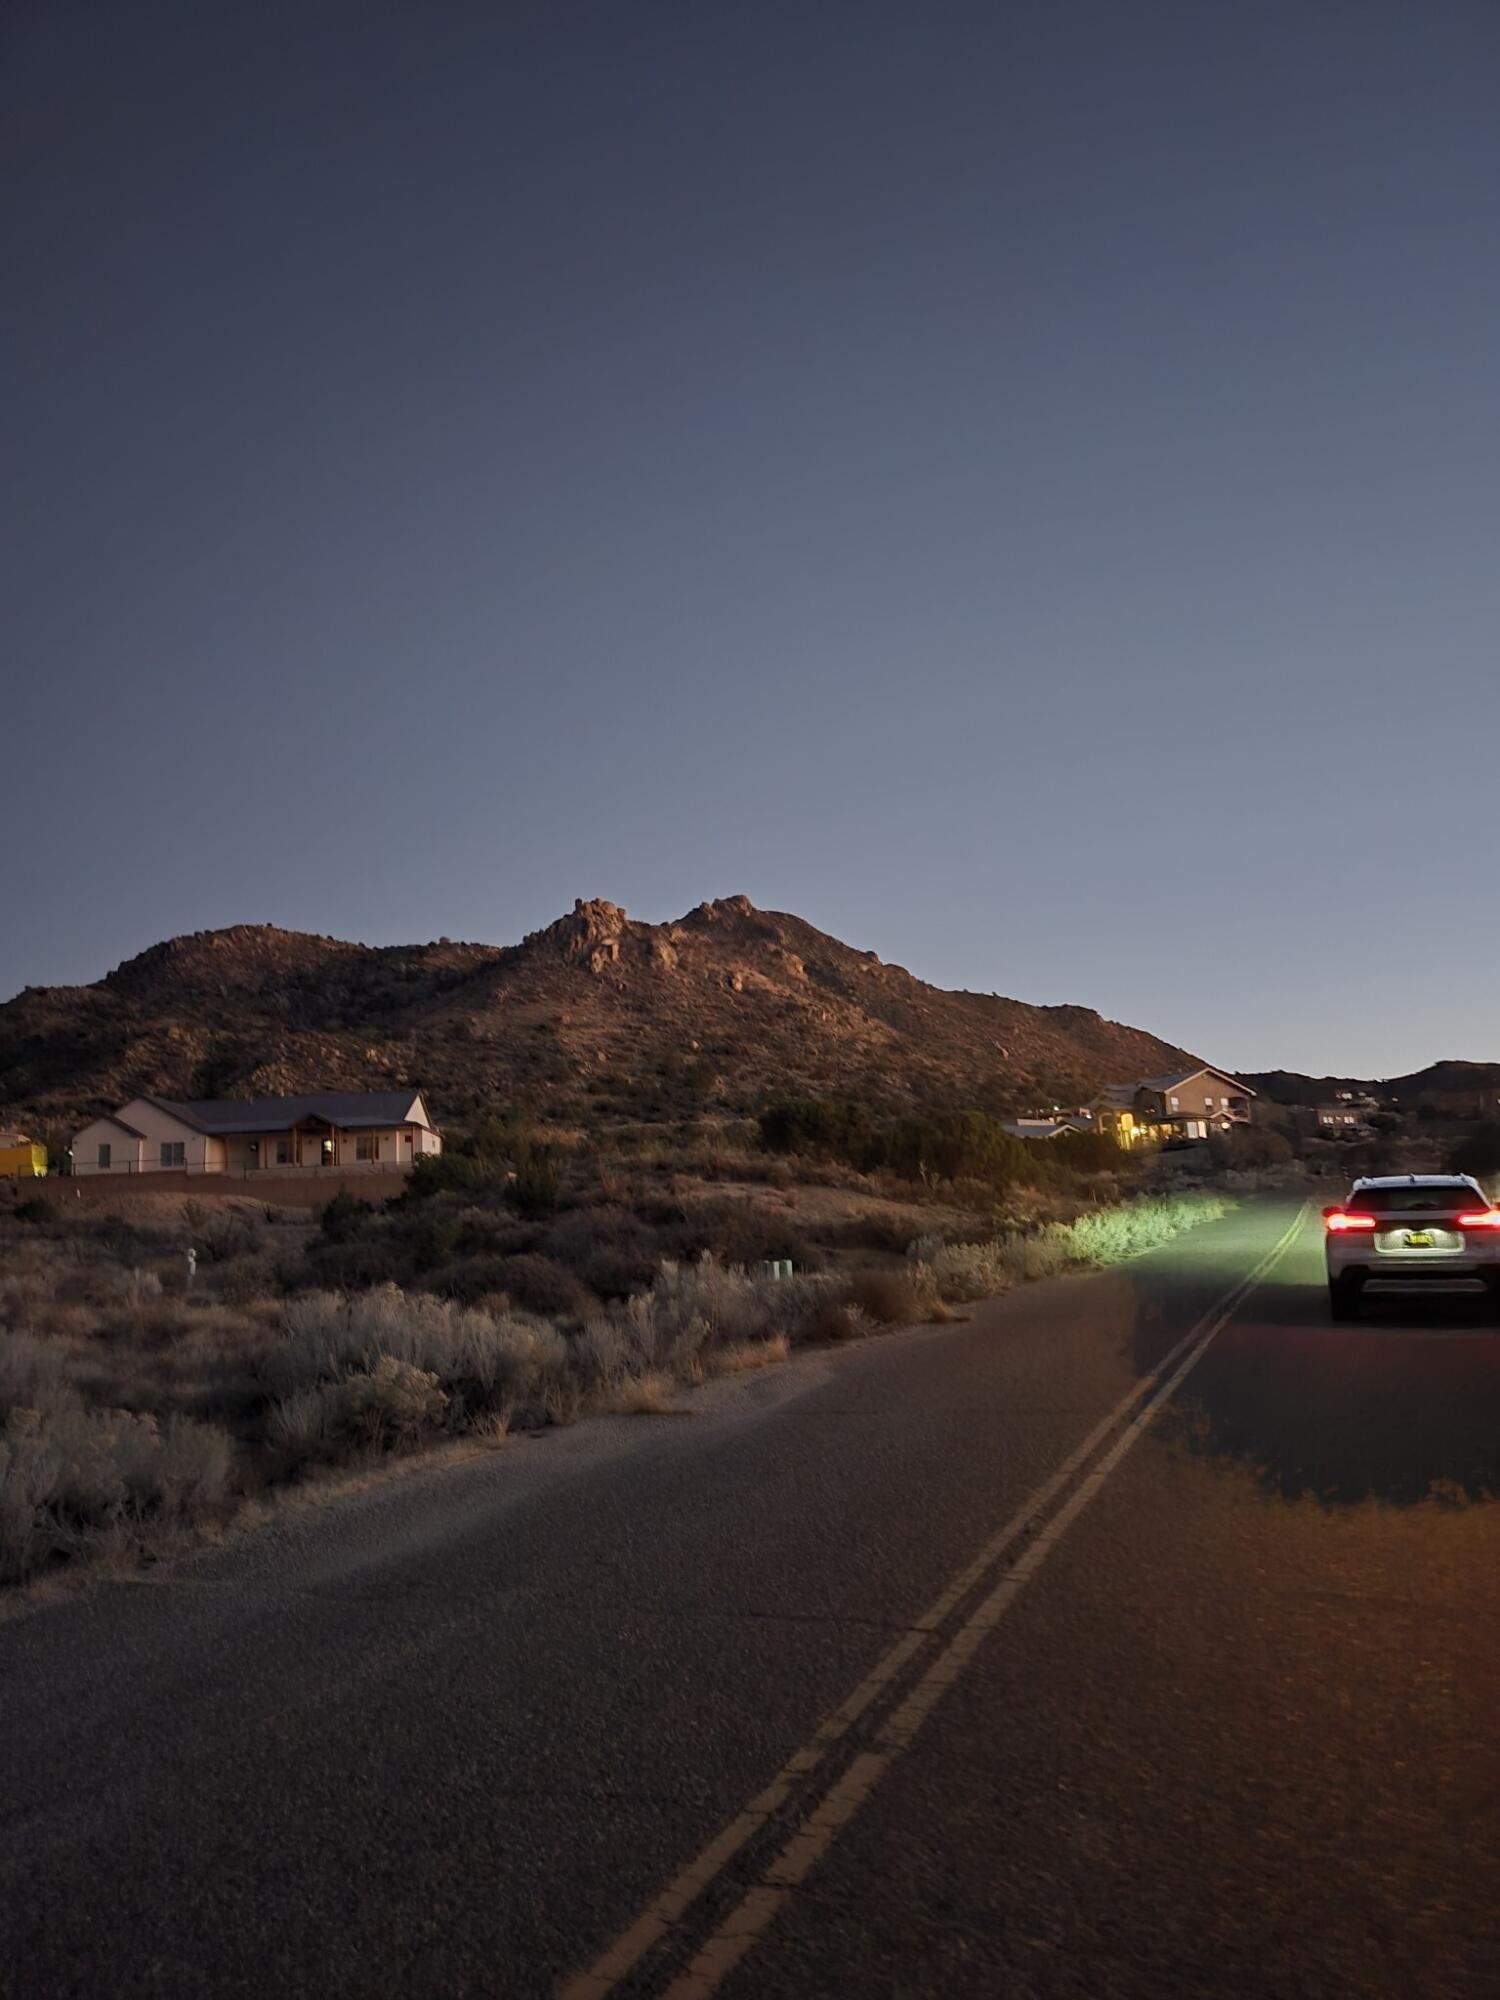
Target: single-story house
1191,1104
1044,1128
21,1157
366,1130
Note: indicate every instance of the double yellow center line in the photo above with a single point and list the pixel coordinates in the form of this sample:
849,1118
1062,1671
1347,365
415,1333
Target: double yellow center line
1045,1517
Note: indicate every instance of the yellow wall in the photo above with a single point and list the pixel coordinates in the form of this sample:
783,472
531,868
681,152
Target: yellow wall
23,1162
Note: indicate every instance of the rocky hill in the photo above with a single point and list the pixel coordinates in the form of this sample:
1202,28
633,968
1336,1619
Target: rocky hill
1451,1080
595,1016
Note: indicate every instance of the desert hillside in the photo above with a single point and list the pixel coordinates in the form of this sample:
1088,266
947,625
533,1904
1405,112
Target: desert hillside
595,1016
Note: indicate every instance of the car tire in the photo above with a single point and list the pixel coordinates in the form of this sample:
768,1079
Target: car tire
1343,1296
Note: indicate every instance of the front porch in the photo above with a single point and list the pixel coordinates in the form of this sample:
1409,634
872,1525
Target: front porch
314,1146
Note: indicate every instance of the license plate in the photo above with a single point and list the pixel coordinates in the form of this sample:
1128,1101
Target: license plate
1419,1239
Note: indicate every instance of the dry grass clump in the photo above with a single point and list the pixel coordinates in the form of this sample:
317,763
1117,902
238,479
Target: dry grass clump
740,1357
642,1396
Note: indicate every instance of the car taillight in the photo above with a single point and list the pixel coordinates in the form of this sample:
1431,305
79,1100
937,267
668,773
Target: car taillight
1338,1219
1480,1218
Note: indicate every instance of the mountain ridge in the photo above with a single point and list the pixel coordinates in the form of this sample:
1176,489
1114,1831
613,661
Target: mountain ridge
596,1013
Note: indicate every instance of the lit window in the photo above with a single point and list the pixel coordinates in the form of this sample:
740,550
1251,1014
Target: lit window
1172,1101
173,1152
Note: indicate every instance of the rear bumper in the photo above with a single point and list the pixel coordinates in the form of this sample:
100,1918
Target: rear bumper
1417,1271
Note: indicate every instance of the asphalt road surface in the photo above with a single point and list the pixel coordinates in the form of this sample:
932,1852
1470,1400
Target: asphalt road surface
1140,1636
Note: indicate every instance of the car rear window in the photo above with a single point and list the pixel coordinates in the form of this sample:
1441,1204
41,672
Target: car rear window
1411,1200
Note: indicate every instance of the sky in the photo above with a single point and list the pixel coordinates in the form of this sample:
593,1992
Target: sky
1015,485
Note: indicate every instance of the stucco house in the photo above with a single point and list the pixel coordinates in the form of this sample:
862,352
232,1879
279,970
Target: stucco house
376,1131
1192,1104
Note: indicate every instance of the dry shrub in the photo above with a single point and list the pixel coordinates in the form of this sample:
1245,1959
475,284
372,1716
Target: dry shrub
32,1375
610,1248
240,1280
742,1232
562,1400
890,1298
968,1270
301,1427
540,1284
69,1477
599,1354
879,1229
390,1403
695,1308
836,1323
485,1361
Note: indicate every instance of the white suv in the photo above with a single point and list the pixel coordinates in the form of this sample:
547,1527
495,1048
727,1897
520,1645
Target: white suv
1408,1230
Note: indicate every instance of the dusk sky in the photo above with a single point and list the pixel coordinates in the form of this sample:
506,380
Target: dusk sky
1016,485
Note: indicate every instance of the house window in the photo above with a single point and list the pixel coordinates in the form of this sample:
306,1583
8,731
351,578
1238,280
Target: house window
1173,1104
367,1148
283,1152
328,1152
173,1152
104,1153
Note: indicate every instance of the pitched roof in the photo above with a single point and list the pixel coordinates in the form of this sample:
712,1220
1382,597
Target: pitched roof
1181,1077
1045,1128
1118,1096
109,1118
344,1108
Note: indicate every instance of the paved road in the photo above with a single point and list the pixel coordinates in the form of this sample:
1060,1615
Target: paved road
1214,1713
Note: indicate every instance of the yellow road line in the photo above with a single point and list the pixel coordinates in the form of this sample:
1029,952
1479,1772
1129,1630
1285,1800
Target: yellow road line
817,1831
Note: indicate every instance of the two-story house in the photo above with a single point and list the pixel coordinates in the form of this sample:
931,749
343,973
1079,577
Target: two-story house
1193,1104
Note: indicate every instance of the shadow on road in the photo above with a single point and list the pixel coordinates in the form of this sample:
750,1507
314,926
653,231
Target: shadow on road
1400,1406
